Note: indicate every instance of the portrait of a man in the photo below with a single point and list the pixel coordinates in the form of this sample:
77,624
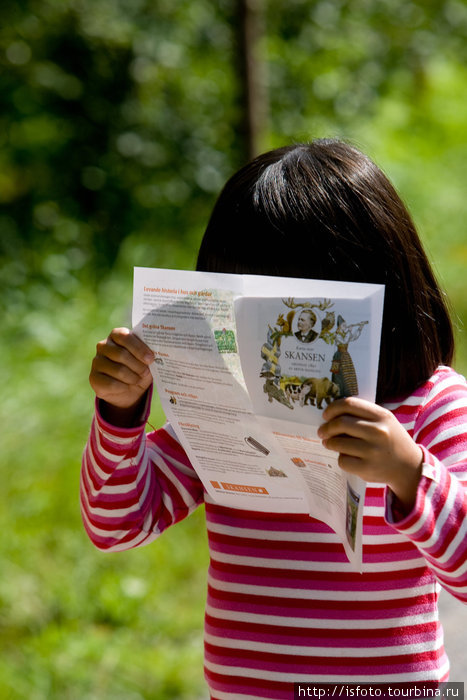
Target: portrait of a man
305,323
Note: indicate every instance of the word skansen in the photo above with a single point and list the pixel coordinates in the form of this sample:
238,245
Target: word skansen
299,355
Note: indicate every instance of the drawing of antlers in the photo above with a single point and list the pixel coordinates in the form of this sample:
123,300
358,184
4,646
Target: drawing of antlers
323,305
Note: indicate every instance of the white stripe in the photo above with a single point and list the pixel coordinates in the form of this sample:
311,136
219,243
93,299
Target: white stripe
116,439
289,536
158,461
457,544
149,527
301,565
458,464
167,501
271,535
110,513
147,483
444,433
408,621
442,412
141,539
99,434
422,518
335,653
377,511
455,575
180,466
102,475
410,401
443,516
115,535
307,594
279,676
458,592
163,467
89,491
105,488
110,489
450,381
120,462
453,459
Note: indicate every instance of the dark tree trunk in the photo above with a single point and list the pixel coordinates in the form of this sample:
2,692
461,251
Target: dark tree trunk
252,80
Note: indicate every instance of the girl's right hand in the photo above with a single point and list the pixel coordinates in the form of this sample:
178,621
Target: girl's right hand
120,374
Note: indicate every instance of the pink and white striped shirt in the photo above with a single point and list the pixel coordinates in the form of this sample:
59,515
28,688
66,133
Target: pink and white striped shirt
283,604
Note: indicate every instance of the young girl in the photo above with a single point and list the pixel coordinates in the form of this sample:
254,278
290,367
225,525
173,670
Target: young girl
283,604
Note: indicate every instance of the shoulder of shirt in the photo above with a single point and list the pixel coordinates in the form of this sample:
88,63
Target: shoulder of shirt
444,379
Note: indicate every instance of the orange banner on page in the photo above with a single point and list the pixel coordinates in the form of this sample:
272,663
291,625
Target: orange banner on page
242,488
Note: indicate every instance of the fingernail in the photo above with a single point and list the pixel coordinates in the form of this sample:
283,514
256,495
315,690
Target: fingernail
149,357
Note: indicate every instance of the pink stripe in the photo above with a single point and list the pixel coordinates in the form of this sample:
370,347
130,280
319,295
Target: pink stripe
258,552
315,638
398,580
318,665
315,610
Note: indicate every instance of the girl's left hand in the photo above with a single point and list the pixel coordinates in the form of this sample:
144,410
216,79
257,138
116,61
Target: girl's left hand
373,444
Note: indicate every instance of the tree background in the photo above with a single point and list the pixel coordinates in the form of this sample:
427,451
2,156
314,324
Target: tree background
119,124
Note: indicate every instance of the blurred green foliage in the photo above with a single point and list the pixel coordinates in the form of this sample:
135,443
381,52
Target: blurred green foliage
117,120
119,123
76,623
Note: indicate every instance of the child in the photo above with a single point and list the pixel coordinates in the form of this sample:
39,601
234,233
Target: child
283,604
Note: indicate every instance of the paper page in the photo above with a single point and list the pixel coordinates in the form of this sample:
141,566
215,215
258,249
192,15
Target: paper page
187,319
300,353
334,497
244,380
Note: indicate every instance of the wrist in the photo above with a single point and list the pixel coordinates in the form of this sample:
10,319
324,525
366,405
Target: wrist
128,417
405,487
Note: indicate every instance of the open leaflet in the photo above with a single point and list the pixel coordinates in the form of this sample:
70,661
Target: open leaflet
244,366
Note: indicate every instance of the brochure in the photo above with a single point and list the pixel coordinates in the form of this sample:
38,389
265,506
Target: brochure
244,366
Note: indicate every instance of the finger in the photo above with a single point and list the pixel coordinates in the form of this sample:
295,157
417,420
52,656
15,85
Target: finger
130,341
120,355
352,465
352,447
116,370
349,425
116,392
353,406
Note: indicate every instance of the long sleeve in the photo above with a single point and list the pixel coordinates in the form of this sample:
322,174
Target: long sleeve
134,485
437,525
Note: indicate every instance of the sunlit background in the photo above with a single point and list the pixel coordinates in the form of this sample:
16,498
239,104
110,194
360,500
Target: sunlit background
119,123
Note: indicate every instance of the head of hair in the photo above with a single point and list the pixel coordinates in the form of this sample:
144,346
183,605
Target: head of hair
324,210
311,314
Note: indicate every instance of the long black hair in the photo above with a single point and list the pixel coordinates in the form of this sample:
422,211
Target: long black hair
324,210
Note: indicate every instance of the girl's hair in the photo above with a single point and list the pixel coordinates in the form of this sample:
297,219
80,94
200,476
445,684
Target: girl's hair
324,210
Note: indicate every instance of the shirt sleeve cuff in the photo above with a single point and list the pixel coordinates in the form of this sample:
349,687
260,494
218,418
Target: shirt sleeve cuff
118,431
394,513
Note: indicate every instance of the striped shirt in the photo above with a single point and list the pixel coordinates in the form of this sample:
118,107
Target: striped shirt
283,603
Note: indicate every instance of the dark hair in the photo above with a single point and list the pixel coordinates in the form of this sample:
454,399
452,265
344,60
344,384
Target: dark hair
324,210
